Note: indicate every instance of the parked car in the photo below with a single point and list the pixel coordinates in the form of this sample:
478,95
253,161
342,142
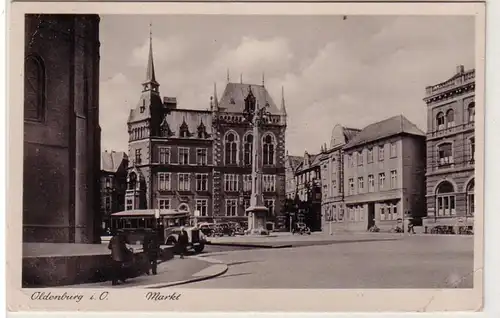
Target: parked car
301,228
224,229
207,228
197,239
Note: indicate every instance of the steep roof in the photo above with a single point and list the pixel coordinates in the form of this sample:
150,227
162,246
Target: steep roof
383,129
233,98
295,161
111,160
350,133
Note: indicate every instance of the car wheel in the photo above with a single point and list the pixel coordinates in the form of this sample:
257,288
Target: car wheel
199,248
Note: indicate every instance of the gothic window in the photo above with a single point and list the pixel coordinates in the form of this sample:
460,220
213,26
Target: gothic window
132,180
184,130
231,148
269,148
440,121
248,145
450,118
471,109
34,89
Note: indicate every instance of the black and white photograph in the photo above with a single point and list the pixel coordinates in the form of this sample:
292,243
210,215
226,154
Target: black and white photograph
170,153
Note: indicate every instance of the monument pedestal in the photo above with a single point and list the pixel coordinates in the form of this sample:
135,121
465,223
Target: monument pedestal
257,219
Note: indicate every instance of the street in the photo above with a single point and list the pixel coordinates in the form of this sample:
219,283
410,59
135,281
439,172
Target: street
410,262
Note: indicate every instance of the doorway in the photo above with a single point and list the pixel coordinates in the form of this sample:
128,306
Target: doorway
371,215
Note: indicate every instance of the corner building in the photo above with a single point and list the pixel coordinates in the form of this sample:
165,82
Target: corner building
450,151
384,175
201,159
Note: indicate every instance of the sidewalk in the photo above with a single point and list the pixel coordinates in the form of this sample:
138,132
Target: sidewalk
170,273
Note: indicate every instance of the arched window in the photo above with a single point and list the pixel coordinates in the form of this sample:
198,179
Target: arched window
34,89
269,146
440,121
471,110
450,118
231,148
470,197
445,154
247,151
472,149
445,199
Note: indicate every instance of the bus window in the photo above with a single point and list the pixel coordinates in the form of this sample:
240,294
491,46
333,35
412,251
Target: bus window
141,223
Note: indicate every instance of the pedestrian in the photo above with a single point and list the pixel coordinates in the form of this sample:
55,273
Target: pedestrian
183,242
119,255
411,226
151,248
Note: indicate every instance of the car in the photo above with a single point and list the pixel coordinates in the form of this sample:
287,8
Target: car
301,228
207,228
197,239
224,229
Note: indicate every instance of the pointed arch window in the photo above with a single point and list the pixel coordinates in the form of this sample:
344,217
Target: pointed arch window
231,148
202,131
471,110
34,89
269,149
450,118
248,147
132,180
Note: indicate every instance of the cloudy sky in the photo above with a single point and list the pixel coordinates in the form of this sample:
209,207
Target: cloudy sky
353,71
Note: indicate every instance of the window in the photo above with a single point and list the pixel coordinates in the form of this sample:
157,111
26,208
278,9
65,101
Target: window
247,182
108,182
381,181
445,155
107,203
472,149
440,121
450,118
184,182
248,146
268,149
445,199
381,152
184,130
164,155
138,156
394,153
129,205
164,181
360,158
370,156
201,156
471,110
34,89
371,183
201,182
470,197
394,179
269,183
230,182
231,205
183,156
351,186
361,184
163,204
334,184
231,148
269,203
202,206
382,214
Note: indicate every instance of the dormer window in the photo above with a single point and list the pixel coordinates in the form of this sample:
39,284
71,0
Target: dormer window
165,130
250,101
143,106
184,130
202,131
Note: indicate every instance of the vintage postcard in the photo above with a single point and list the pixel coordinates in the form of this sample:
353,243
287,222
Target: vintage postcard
246,157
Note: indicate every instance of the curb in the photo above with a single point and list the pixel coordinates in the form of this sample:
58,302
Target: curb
251,245
193,279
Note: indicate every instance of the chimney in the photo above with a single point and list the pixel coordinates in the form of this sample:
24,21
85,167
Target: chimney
460,69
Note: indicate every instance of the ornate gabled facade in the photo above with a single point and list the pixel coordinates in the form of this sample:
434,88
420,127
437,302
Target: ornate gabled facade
450,151
114,166
201,159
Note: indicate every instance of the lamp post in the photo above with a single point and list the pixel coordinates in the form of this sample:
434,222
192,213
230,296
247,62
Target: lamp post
257,212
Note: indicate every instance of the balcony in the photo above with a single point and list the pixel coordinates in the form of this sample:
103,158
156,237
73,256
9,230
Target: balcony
451,130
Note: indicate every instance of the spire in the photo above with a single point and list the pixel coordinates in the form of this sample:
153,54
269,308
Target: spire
216,101
241,78
263,80
150,83
283,108
228,75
